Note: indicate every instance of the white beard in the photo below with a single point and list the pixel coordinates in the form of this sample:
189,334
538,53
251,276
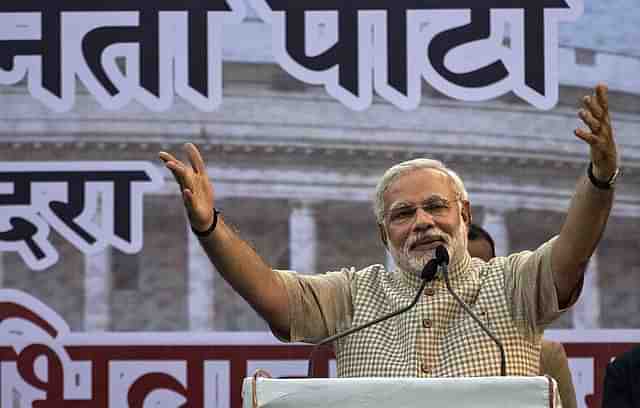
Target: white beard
456,246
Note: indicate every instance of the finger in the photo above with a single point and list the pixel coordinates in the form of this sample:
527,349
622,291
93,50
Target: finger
181,172
179,167
177,177
195,158
602,93
593,123
588,137
171,162
592,104
166,157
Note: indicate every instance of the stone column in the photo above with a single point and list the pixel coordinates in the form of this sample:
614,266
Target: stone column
586,312
97,285
302,238
494,224
97,288
201,290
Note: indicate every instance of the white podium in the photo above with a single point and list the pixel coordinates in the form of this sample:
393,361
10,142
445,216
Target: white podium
476,392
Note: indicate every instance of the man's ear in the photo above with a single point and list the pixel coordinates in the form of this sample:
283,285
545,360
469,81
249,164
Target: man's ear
383,236
466,212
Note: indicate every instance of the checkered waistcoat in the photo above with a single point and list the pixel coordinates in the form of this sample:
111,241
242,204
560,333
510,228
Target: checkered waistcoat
436,337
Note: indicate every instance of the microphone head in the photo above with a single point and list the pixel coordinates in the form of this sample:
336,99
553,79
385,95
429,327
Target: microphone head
442,256
430,269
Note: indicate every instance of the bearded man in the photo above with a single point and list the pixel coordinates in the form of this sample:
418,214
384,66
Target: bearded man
419,205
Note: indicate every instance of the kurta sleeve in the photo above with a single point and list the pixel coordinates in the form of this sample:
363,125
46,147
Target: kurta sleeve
319,305
530,286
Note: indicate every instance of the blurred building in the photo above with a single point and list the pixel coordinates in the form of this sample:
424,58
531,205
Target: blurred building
294,171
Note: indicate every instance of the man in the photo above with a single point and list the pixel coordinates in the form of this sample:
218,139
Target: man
622,381
553,358
480,244
420,205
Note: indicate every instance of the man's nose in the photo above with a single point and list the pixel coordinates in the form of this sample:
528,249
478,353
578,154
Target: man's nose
424,219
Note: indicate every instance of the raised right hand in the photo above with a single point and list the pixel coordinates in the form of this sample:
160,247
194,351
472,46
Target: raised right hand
197,190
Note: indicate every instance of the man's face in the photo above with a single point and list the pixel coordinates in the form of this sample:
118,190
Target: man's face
480,248
421,213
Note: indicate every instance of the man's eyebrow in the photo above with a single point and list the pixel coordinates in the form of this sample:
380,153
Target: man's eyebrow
399,204
431,199
436,198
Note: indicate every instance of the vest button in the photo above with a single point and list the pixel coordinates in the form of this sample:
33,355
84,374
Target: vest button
429,291
425,368
427,324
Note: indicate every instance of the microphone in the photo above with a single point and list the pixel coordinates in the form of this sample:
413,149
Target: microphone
443,255
428,273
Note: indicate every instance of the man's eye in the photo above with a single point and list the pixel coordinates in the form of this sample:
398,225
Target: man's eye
399,215
436,208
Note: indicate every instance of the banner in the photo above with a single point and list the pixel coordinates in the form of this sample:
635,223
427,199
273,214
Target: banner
167,49
298,107
202,370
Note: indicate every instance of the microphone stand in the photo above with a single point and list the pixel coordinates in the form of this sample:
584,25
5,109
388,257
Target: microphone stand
428,273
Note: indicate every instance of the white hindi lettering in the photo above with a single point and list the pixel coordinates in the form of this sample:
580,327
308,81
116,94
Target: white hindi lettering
351,48
66,196
78,39
43,364
456,46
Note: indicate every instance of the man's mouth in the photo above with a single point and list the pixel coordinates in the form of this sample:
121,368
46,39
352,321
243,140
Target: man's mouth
426,244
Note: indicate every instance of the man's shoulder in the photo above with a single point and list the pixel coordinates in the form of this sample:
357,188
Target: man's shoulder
628,360
623,375
353,273
484,269
543,251
514,261
372,276
372,271
350,273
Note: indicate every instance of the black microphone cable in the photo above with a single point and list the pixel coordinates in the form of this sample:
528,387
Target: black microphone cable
443,254
427,275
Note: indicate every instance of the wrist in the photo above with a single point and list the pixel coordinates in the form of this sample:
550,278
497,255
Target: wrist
603,173
205,232
601,179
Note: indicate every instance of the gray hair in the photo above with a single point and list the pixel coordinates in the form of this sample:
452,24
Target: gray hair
393,173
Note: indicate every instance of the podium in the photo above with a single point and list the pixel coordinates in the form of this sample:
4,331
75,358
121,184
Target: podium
471,392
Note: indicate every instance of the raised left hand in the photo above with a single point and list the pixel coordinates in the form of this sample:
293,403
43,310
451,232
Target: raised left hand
595,115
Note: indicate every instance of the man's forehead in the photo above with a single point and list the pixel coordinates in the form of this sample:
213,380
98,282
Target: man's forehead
420,184
427,197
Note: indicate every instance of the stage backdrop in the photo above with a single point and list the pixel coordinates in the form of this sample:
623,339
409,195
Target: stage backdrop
298,108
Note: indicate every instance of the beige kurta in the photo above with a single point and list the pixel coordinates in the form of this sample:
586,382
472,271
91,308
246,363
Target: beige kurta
515,296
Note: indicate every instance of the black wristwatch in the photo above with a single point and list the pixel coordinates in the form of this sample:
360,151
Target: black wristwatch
603,185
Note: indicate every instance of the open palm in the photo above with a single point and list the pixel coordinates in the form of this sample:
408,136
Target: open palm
196,188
